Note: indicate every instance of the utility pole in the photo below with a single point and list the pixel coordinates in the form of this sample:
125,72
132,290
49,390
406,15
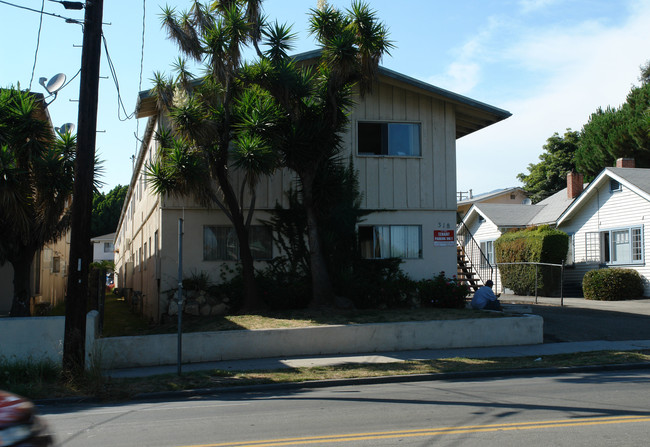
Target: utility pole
80,248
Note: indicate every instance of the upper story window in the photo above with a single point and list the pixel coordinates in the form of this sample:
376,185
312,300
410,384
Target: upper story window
614,185
391,139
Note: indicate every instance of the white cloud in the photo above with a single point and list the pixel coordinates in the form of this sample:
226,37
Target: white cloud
578,70
528,6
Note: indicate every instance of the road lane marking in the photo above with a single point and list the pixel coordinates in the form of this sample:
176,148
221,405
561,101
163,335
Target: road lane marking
433,432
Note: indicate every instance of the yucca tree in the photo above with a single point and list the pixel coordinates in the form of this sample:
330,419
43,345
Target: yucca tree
315,101
36,179
217,124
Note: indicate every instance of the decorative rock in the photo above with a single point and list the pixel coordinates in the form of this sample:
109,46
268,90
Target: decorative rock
192,308
205,310
219,309
173,308
201,299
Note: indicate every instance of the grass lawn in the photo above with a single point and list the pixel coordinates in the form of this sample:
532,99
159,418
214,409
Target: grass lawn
120,321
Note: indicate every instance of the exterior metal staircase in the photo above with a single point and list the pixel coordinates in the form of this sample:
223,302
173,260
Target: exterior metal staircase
473,267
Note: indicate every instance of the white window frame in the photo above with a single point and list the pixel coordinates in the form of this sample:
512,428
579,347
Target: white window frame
487,247
600,246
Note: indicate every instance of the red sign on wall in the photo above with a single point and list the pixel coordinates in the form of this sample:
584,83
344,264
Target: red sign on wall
444,238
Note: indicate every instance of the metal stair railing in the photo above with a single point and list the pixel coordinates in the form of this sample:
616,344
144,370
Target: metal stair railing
479,263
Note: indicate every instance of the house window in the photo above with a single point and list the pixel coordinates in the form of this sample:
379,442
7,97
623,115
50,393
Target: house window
220,243
614,185
56,264
155,243
108,247
620,246
393,139
391,241
487,247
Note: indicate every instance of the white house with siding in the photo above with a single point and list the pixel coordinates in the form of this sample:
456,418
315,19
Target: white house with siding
608,224
486,222
402,141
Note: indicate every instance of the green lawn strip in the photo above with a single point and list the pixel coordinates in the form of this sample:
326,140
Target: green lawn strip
44,383
119,320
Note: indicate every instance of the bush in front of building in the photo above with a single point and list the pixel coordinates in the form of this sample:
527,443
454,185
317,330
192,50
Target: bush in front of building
442,292
612,284
532,245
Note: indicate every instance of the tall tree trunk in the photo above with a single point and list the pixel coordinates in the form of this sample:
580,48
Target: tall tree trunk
252,301
322,290
22,264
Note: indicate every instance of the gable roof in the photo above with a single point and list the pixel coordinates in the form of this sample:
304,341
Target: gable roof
636,179
554,206
489,195
104,237
471,115
505,215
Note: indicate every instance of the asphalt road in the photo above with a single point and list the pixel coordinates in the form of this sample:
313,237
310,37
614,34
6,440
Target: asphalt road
566,410
568,324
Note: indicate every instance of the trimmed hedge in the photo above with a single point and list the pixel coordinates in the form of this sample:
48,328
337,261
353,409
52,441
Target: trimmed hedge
539,244
613,284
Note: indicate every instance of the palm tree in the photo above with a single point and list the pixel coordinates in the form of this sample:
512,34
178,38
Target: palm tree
36,179
215,119
315,101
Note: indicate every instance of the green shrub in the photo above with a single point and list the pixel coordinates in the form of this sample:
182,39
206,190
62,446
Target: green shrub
442,292
613,284
376,283
283,288
541,244
197,281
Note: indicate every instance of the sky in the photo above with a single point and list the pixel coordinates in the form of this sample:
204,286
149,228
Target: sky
551,63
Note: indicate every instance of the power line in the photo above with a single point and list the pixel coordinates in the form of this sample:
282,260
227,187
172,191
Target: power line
67,19
120,104
38,44
137,122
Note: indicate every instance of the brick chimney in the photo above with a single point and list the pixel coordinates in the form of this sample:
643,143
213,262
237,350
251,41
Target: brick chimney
625,163
573,184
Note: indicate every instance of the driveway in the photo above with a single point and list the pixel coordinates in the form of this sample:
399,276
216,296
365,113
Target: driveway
585,320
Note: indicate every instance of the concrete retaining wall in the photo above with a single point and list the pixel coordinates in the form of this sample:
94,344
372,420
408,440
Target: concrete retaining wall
123,352
39,338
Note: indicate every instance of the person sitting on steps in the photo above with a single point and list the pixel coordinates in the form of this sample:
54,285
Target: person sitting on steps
484,298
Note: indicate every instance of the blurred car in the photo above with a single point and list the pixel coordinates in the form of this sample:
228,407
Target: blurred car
20,426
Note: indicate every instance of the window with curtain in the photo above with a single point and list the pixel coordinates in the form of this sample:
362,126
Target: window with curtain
220,243
391,241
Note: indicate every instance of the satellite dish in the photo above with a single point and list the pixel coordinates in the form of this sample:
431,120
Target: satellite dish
527,201
66,128
54,84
